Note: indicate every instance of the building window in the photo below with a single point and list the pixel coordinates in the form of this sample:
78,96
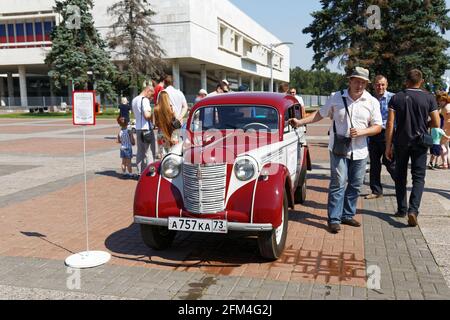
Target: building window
30,32
39,33
222,36
25,31
11,37
3,38
20,32
48,26
237,39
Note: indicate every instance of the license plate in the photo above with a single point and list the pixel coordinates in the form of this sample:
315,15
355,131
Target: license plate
198,225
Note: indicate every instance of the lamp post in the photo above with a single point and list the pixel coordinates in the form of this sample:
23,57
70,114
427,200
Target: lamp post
272,46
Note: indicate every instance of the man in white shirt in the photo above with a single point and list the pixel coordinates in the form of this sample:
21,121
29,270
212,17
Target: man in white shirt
177,99
362,120
142,110
293,92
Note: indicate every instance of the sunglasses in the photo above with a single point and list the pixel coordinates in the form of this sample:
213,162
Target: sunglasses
293,92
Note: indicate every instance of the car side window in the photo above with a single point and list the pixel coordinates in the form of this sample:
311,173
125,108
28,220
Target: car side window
298,111
289,114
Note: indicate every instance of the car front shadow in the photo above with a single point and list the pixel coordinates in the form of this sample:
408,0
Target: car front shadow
189,250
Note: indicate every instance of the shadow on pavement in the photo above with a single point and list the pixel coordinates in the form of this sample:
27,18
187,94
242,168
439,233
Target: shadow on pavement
42,237
389,218
188,251
307,218
114,174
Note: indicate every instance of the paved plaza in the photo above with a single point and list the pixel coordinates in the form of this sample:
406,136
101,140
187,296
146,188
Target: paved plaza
42,214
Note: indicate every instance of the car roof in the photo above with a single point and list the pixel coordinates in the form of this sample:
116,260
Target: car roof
281,102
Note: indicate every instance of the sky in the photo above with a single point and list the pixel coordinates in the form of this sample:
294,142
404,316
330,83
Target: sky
286,19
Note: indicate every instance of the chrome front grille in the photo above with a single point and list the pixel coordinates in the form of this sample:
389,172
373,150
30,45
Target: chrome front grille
204,188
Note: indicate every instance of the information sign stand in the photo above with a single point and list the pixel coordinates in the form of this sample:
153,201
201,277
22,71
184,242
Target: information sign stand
83,114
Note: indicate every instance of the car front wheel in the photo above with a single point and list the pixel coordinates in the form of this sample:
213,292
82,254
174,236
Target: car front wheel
271,244
157,238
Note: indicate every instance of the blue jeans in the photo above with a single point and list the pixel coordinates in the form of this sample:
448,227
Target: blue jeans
347,178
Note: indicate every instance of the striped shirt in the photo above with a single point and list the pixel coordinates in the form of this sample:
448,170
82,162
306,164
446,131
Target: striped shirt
125,140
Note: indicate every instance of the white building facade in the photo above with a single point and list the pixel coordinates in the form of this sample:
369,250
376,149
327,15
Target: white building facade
205,41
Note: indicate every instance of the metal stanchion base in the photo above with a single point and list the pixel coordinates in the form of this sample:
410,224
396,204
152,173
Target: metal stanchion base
88,259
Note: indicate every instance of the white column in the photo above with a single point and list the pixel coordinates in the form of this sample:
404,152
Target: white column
277,84
239,79
10,85
23,86
176,74
262,84
252,84
224,75
204,77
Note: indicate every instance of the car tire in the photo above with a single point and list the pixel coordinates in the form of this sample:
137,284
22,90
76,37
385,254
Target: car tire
270,247
300,193
157,238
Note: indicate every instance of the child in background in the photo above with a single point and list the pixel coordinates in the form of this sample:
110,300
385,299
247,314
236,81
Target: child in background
436,149
126,140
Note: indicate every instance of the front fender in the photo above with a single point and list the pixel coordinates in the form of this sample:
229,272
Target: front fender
145,195
269,195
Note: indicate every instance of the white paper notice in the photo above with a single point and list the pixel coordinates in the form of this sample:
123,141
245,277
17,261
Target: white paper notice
83,108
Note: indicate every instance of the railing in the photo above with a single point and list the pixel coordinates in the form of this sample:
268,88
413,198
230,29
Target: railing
34,102
45,102
314,101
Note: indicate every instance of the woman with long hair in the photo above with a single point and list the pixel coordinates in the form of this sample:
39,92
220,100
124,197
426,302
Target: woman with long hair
164,117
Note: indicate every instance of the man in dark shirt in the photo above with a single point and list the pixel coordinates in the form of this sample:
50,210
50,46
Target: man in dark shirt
411,110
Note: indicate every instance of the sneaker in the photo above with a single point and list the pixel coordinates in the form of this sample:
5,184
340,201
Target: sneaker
334,228
373,196
412,219
431,167
352,223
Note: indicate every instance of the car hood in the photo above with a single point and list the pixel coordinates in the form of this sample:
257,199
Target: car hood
224,147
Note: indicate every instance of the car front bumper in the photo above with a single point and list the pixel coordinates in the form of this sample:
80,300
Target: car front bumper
232,226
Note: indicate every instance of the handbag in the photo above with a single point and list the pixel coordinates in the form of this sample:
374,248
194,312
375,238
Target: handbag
425,140
148,136
342,144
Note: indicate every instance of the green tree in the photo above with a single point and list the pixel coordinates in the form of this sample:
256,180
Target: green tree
321,82
133,37
78,55
410,37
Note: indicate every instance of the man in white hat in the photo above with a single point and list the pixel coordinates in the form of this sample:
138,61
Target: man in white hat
202,94
356,115
225,85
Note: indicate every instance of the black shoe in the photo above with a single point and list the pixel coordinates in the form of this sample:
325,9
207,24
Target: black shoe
334,227
352,223
412,219
400,214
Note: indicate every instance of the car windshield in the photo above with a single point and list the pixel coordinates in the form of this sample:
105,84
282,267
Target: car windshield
235,117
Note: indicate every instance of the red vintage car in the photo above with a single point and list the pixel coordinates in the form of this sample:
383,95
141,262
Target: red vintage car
240,167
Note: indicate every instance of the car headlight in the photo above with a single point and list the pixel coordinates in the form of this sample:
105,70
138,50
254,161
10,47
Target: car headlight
171,168
244,170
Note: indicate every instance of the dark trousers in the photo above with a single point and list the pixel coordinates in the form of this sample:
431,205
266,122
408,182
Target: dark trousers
377,149
418,156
